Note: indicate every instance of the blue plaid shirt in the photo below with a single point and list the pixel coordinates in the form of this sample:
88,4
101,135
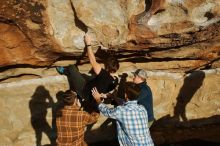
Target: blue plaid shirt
132,123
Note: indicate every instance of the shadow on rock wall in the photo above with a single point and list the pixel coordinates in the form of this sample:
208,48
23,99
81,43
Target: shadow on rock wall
39,104
165,131
178,128
191,84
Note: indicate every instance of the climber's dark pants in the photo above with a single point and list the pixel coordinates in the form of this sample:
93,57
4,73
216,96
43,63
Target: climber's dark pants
77,83
76,80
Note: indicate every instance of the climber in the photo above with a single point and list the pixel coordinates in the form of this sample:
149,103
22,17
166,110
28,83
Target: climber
104,79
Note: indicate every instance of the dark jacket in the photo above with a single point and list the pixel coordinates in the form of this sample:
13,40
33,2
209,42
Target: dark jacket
145,98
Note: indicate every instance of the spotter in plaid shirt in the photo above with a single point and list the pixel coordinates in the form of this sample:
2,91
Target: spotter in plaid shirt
71,123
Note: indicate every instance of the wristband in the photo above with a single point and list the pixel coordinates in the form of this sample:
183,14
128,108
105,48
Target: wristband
88,45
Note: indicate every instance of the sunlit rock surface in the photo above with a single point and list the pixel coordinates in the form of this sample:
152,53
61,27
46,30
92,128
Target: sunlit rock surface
40,32
179,101
176,41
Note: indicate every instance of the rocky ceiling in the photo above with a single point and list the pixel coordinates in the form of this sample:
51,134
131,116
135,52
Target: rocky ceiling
182,33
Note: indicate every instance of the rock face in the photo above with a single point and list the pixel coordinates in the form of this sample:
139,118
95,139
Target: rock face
184,107
176,41
39,32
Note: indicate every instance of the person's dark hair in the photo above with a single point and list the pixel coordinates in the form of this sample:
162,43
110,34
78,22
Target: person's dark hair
132,90
69,97
111,64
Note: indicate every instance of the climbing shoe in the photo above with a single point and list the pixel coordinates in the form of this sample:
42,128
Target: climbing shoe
61,70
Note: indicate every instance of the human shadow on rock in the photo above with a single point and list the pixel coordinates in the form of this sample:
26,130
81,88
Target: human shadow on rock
191,84
38,105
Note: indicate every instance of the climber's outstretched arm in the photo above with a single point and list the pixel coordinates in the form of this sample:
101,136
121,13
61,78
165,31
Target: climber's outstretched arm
95,65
